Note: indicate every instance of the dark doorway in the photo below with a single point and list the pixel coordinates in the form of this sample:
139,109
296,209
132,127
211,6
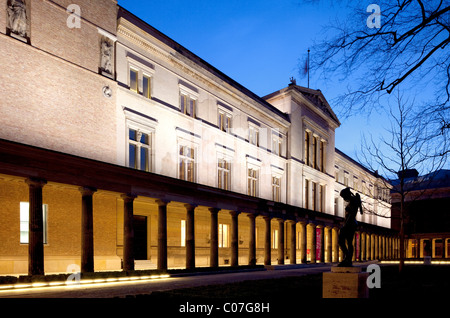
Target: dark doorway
140,237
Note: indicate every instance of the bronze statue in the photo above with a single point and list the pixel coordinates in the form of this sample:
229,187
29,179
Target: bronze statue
350,224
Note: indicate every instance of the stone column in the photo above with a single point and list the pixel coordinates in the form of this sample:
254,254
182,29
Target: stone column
128,232
162,235
267,245
280,241
234,238
36,227
87,230
293,245
252,242
303,242
335,243
190,236
214,245
328,247
312,247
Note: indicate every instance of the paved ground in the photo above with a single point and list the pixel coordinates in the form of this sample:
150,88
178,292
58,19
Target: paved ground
173,282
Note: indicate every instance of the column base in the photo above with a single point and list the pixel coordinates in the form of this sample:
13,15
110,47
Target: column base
345,282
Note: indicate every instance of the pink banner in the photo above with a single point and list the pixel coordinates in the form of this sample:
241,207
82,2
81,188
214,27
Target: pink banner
318,244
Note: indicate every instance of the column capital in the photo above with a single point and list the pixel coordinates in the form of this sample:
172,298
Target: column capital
35,182
87,190
160,202
234,213
189,206
252,215
128,197
214,210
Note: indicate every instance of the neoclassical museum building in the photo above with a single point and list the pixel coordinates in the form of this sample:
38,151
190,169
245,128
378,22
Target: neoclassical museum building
120,149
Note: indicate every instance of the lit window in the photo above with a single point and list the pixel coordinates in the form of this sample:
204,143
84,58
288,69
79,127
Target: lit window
253,136
187,105
314,152
314,195
134,80
322,156
321,198
187,163
276,145
307,145
223,174
275,239
252,182
224,121
139,150
183,233
306,194
25,220
223,235
276,193
146,82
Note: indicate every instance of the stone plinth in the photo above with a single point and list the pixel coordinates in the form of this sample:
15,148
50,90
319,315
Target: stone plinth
345,282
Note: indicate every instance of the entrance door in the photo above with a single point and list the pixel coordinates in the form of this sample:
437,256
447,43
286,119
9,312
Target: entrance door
140,237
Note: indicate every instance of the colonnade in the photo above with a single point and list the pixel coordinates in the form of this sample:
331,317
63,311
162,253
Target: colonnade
320,246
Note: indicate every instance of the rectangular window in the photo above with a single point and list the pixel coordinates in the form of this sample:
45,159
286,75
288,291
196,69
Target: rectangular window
187,105
307,145
253,135
134,76
314,196
139,150
146,82
252,182
276,145
346,178
276,189
275,239
314,152
224,121
187,163
322,156
25,220
306,194
223,235
223,174
321,198
183,233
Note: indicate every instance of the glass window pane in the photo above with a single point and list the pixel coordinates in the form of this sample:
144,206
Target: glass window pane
183,103
146,83
144,139
132,134
133,80
132,156
144,164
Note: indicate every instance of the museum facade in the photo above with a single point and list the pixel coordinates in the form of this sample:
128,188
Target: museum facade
120,149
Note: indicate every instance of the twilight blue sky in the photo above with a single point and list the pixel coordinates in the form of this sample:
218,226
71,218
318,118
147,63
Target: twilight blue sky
259,44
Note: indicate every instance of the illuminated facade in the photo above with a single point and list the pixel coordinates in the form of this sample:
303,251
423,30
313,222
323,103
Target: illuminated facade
426,214
128,151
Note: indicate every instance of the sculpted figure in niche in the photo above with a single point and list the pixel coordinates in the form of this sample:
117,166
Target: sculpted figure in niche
350,224
106,56
17,17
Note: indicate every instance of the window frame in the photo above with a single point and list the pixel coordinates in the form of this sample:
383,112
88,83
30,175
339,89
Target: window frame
24,210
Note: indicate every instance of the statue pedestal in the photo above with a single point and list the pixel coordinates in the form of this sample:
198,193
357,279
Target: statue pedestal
345,282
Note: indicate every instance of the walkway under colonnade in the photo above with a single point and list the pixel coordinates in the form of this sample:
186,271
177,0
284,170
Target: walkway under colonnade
187,225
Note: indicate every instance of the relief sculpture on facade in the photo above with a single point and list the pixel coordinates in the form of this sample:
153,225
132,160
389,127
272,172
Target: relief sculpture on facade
106,51
17,17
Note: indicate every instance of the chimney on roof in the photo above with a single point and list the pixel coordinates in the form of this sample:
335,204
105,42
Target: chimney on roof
408,173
